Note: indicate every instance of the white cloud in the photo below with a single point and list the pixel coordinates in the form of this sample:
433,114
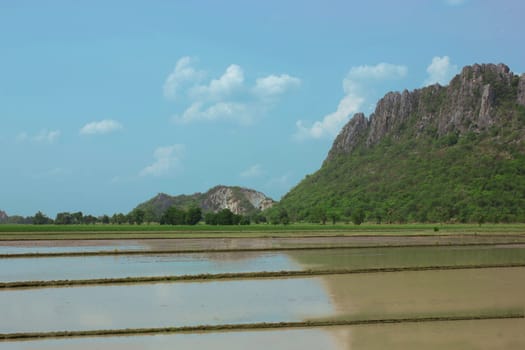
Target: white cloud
102,127
167,160
47,136
198,111
226,98
229,82
331,123
381,71
274,85
181,74
354,86
253,171
43,136
440,71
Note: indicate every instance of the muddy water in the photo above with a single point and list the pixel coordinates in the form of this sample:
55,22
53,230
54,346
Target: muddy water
427,293
408,257
119,266
460,335
59,246
457,335
363,296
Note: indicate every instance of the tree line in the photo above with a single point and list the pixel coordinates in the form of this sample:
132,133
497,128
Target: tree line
191,216
172,216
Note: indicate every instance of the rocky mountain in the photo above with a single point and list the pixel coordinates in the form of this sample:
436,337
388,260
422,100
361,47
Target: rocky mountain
239,200
474,101
440,153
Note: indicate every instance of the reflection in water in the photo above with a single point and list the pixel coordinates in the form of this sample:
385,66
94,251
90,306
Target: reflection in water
198,263
378,295
43,246
163,304
56,268
459,335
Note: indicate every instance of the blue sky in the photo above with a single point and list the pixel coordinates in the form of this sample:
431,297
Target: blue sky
103,104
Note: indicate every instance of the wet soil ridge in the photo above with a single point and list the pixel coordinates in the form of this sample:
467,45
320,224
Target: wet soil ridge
235,250
251,326
241,275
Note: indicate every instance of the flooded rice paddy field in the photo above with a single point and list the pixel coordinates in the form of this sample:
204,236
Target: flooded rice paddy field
365,296
120,266
462,335
361,296
96,245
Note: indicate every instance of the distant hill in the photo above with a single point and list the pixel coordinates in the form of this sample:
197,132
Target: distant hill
3,217
239,200
451,153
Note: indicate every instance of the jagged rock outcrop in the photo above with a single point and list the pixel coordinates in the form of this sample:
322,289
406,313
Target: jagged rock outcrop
521,90
351,134
468,104
238,199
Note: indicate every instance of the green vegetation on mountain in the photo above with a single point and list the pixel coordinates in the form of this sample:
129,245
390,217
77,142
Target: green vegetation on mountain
437,154
238,200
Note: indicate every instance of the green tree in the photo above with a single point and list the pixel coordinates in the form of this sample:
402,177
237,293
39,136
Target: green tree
193,216
118,219
225,217
150,216
173,216
334,216
358,216
41,219
90,220
105,219
136,216
283,217
77,218
210,219
64,218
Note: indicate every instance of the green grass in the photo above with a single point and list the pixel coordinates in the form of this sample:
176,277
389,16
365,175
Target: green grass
155,231
267,228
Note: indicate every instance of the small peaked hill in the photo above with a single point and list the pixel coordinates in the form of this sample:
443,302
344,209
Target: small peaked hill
3,216
239,200
451,153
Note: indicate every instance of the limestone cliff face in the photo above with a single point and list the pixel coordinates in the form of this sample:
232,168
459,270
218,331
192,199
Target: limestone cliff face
468,104
350,136
521,90
238,199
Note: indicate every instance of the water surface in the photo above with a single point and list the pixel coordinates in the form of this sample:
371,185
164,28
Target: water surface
118,266
46,246
162,305
361,296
